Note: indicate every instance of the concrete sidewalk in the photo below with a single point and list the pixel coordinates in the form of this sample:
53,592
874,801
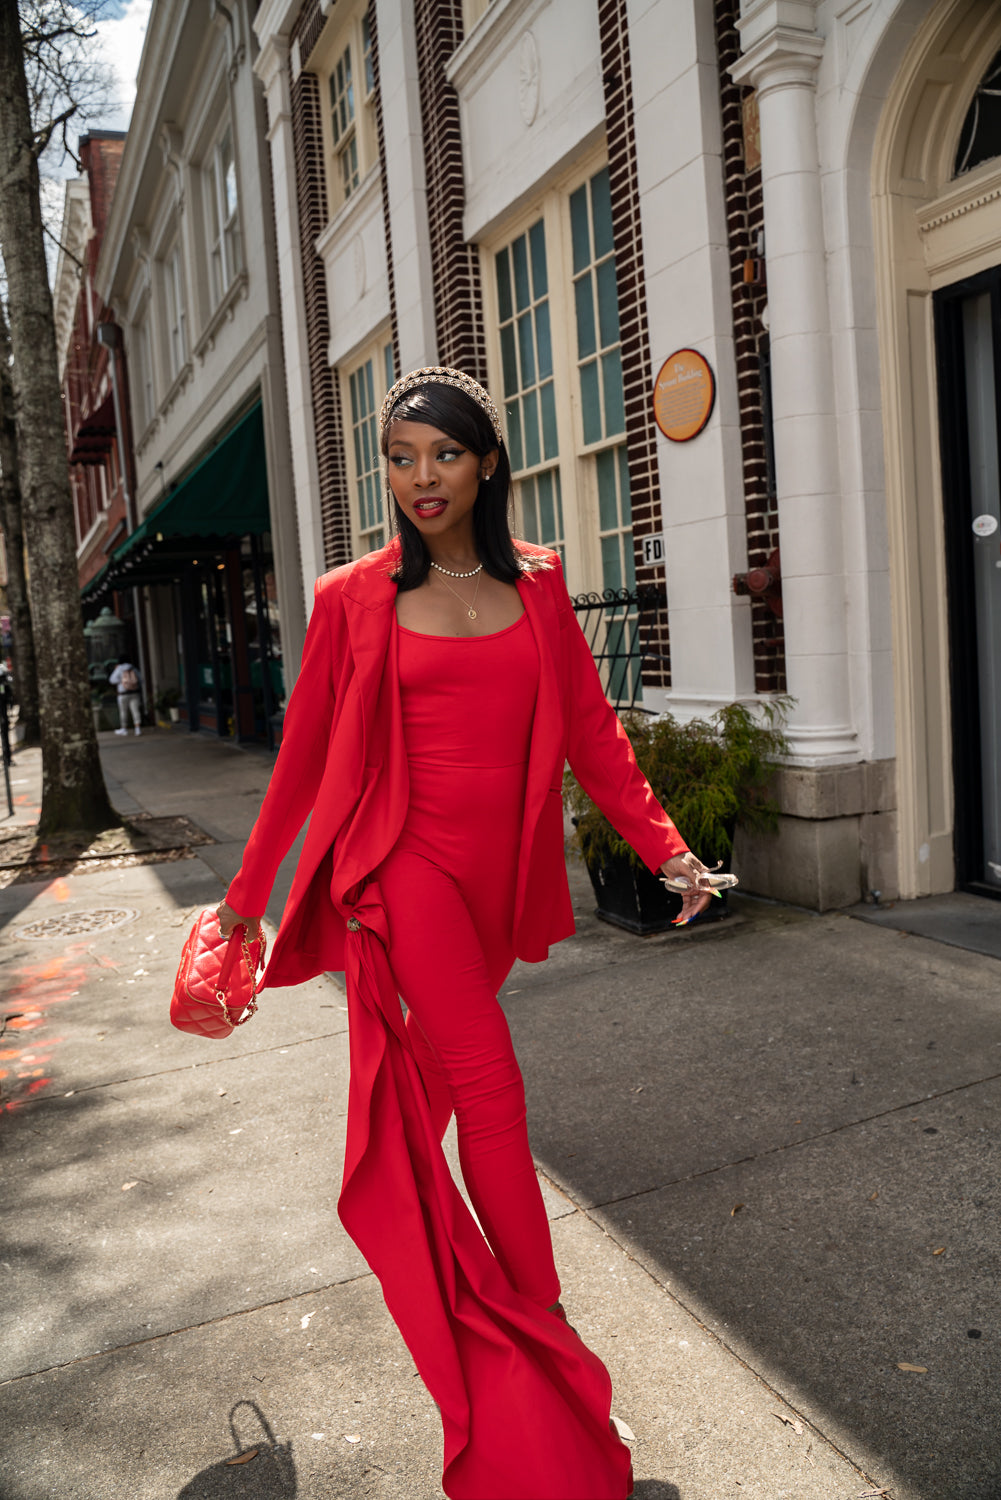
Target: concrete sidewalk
768,1149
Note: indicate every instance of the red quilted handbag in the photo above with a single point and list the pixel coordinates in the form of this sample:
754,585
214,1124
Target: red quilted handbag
214,991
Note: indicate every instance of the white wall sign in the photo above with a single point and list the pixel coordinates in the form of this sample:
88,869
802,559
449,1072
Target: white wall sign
653,549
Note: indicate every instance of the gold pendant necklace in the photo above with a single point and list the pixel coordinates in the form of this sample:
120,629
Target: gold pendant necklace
470,611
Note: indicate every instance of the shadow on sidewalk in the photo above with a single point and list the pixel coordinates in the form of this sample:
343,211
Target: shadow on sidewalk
266,1472
795,1132
655,1489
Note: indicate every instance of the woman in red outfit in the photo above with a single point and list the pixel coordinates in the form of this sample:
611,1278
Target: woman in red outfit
444,683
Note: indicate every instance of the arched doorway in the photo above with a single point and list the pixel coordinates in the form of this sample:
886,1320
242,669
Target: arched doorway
937,244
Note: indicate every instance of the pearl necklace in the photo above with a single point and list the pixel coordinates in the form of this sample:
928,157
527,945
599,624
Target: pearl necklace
448,571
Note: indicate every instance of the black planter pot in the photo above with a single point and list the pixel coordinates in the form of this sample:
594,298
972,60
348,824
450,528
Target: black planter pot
630,897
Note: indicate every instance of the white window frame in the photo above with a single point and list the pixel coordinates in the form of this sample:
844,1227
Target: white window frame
379,350
222,218
143,381
357,144
582,532
175,309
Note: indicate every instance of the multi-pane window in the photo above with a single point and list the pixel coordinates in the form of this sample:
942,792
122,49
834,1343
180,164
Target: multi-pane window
344,61
368,64
557,361
529,390
596,307
143,374
602,409
618,562
367,384
223,216
599,372
343,124
980,137
618,567
177,346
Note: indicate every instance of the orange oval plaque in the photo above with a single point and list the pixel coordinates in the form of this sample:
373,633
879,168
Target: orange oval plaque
683,395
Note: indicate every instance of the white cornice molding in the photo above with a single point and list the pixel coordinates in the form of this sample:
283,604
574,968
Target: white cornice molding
759,18
272,60
275,19
780,47
272,66
782,58
159,46
967,194
489,37
73,239
345,222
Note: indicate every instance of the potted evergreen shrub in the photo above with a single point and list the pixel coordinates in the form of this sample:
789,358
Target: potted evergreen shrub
710,774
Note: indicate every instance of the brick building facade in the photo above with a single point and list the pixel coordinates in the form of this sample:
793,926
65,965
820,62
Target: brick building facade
561,196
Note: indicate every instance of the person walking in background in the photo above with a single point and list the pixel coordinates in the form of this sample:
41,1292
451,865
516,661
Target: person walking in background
127,680
444,682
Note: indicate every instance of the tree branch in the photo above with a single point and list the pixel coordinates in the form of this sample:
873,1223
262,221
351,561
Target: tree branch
63,247
44,136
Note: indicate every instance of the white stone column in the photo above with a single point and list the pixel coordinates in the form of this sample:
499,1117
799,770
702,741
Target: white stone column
782,54
399,86
273,68
686,259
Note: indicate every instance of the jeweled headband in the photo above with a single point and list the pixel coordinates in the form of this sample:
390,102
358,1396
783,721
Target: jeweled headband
441,375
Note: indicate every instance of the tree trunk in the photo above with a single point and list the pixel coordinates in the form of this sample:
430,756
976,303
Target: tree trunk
74,795
25,673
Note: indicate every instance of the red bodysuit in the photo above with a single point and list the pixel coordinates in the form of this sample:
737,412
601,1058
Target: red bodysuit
449,889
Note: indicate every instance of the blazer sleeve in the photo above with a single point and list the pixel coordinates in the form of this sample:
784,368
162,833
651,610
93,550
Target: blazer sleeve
602,758
295,780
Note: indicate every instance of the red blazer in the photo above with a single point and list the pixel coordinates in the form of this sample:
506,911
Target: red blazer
344,761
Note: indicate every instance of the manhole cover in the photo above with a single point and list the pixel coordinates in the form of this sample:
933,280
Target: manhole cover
79,923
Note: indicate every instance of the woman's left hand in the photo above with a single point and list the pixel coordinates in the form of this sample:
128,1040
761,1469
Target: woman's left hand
689,867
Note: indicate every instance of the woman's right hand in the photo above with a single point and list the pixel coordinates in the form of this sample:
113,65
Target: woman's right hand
229,921
697,897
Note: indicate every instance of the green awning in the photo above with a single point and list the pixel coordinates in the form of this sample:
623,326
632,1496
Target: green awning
95,585
224,495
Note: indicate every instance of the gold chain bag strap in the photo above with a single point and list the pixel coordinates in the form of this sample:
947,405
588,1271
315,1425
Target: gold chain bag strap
216,985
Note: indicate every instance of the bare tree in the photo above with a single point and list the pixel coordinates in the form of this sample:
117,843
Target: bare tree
25,673
74,795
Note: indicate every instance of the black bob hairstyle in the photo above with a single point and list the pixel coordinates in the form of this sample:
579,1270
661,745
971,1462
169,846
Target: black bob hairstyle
453,412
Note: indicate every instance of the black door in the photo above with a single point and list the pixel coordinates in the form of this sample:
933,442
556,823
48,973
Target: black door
968,334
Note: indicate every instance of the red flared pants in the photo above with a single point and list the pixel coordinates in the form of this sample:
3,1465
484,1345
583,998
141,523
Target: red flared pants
449,968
